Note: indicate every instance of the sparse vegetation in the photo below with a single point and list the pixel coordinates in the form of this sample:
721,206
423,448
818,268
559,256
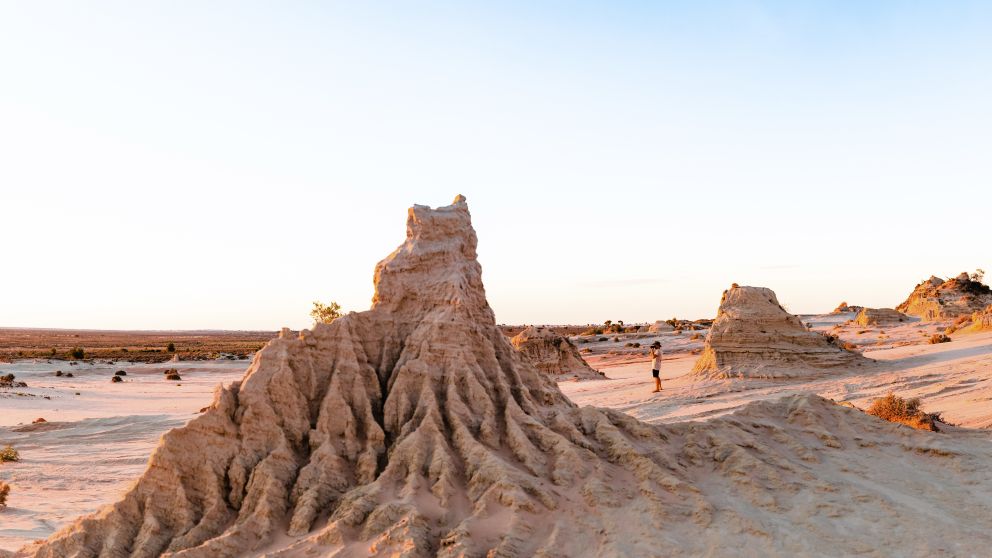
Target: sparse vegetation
77,353
134,346
171,347
325,313
593,331
939,338
4,492
904,411
9,454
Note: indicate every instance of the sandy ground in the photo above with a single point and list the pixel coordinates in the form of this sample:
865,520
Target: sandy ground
952,378
98,436
97,442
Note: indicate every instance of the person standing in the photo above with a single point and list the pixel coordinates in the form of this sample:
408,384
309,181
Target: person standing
656,365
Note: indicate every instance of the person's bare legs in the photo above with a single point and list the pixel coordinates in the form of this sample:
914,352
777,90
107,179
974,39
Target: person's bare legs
657,385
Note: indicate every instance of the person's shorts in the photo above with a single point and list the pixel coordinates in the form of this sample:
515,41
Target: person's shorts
654,373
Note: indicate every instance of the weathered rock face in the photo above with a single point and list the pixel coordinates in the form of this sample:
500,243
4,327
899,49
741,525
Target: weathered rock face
982,321
753,336
936,299
879,316
415,429
660,326
844,307
553,354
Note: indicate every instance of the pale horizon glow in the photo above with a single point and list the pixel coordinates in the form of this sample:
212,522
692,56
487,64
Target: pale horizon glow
221,165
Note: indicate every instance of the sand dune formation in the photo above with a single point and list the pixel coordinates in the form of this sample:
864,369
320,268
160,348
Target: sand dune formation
553,354
416,429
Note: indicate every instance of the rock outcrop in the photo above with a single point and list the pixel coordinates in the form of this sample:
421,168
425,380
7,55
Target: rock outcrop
981,321
553,354
660,326
415,429
753,336
936,299
879,316
844,307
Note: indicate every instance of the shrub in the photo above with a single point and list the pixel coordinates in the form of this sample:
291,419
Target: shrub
592,331
939,338
325,313
4,492
171,347
903,411
77,353
9,454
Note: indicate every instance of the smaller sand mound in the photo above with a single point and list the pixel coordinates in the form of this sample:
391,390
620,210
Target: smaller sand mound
936,299
879,316
553,354
981,321
845,307
754,337
660,326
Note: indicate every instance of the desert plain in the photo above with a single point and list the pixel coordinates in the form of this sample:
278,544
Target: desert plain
421,427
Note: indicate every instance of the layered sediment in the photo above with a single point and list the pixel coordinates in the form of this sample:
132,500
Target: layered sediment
553,354
936,299
879,316
753,336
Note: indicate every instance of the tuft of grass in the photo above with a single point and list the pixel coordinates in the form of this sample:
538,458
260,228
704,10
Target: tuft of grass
904,411
9,454
939,338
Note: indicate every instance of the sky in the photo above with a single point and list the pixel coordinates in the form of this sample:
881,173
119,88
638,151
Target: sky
190,165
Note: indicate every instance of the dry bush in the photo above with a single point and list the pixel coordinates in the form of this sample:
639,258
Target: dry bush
903,411
4,491
9,454
939,338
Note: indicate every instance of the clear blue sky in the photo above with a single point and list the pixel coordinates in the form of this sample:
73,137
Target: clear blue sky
223,164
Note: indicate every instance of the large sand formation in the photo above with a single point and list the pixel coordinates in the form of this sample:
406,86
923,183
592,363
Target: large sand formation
553,354
415,429
753,336
936,299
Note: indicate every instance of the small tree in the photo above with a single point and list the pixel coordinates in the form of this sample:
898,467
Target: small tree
325,313
171,347
608,323
978,276
77,353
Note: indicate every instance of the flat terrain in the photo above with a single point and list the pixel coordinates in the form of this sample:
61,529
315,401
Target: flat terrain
134,346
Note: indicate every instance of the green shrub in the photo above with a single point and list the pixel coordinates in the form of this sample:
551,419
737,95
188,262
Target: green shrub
171,347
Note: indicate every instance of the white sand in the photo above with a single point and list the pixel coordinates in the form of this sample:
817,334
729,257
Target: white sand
94,444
